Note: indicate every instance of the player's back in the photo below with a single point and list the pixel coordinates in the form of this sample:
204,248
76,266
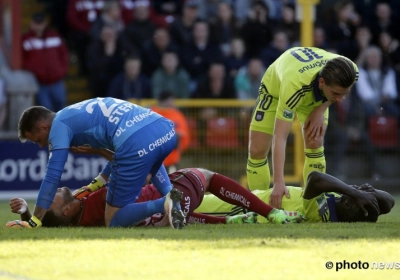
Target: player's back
99,122
297,67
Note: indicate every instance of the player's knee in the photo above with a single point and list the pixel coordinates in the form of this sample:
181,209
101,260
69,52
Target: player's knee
257,152
207,173
314,143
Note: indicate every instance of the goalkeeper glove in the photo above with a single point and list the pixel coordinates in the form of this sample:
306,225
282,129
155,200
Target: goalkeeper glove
96,184
32,223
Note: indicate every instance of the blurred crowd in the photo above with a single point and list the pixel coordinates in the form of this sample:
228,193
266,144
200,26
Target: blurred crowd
212,48
219,48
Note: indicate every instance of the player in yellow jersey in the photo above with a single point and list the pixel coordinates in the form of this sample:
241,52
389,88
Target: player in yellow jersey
324,199
302,82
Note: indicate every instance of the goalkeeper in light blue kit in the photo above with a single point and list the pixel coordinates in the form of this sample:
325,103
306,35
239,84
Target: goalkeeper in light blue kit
140,138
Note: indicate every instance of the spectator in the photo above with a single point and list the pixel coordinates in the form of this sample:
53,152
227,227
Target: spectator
127,7
111,16
320,40
346,21
215,84
224,27
347,120
181,30
130,83
45,54
289,25
383,22
355,49
278,46
366,10
237,57
247,81
105,59
80,16
166,107
197,56
242,8
390,50
165,11
3,105
208,9
170,77
257,29
154,49
325,12
376,85
141,28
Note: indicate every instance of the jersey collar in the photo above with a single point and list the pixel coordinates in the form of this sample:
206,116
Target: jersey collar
331,205
317,93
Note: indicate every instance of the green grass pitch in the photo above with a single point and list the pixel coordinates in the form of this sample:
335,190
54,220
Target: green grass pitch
260,251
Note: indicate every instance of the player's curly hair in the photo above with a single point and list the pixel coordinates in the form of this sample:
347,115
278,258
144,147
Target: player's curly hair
339,71
29,119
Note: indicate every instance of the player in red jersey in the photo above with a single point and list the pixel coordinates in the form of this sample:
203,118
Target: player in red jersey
193,182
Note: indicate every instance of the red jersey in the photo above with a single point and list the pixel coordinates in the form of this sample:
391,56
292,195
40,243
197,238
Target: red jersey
94,206
82,13
45,56
189,181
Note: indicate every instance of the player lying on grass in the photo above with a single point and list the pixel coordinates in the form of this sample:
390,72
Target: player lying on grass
324,199
66,210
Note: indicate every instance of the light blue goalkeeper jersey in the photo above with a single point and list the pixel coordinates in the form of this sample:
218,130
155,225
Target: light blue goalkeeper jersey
99,122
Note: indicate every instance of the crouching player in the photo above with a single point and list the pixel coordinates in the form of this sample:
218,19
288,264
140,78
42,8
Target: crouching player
324,199
67,210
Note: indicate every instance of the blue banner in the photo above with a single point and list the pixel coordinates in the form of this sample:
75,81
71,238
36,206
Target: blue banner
23,165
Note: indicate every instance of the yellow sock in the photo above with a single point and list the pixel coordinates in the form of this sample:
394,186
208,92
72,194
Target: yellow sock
315,161
258,174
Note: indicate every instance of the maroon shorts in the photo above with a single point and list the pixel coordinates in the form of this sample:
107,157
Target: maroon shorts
192,183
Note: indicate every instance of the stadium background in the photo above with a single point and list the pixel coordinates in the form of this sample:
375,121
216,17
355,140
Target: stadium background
220,145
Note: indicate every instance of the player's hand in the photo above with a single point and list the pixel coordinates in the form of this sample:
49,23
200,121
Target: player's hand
95,185
81,192
18,224
85,149
18,205
32,223
363,199
278,191
314,125
366,187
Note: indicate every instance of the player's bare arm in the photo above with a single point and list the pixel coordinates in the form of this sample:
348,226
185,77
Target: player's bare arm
281,133
318,183
39,212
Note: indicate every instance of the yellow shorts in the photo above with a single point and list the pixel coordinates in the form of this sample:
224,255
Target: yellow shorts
264,114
